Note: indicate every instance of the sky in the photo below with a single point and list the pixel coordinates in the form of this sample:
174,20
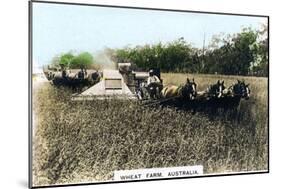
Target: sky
61,28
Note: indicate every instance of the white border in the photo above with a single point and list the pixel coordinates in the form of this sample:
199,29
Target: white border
13,139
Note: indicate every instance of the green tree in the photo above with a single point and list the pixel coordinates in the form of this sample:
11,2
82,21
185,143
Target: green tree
235,54
65,59
243,54
260,63
175,56
82,60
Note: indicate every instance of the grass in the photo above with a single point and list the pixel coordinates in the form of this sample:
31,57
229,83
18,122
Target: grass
86,141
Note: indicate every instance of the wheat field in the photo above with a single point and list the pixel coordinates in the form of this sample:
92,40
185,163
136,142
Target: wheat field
86,141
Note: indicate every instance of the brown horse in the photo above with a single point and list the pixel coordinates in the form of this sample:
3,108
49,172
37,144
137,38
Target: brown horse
170,91
186,91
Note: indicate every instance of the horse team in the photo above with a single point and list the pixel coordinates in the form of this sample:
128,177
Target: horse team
189,91
216,96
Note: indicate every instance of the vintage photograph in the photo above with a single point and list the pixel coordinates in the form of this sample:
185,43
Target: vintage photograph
122,94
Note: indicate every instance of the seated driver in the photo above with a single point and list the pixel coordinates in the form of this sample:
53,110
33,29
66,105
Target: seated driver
154,85
152,78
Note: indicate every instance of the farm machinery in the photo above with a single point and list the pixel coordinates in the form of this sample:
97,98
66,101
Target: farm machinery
73,78
147,87
216,96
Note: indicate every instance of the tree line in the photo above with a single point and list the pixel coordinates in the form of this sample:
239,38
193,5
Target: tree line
244,53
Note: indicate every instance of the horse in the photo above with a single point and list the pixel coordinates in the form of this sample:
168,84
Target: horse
211,100
229,103
187,91
77,81
93,78
241,89
216,90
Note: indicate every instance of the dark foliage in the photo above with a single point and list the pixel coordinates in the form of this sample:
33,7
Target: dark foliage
244,53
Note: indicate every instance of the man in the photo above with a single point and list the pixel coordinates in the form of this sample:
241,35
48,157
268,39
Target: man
154,85
152,78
